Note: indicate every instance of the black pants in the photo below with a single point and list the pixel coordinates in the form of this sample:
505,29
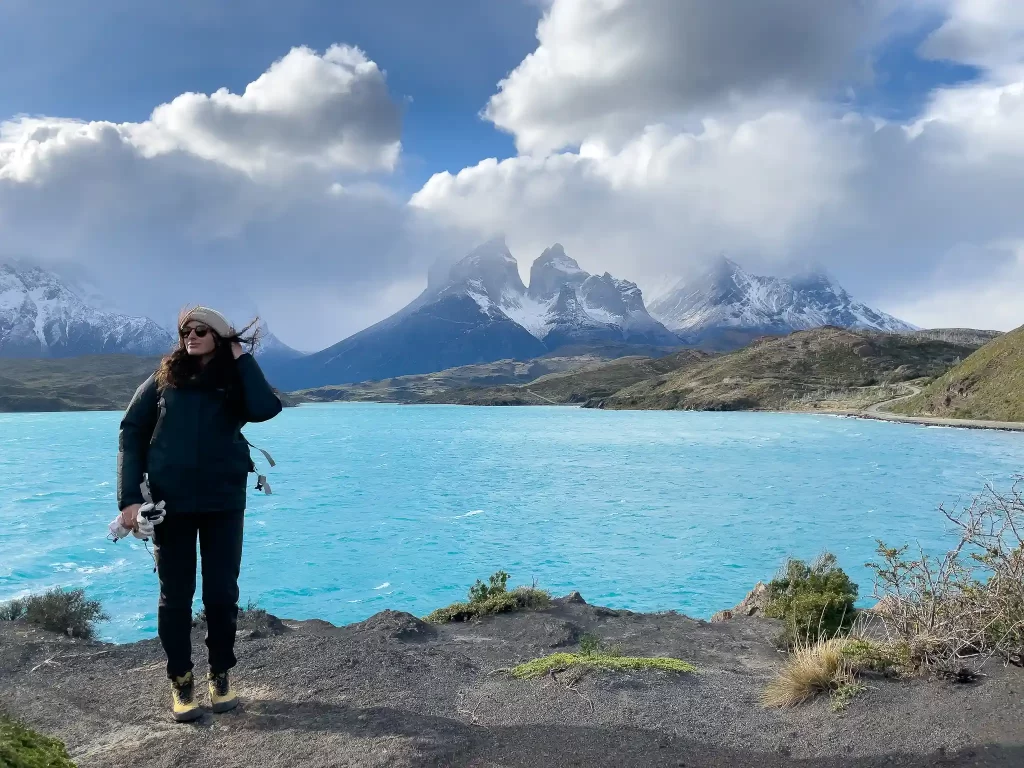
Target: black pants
220,544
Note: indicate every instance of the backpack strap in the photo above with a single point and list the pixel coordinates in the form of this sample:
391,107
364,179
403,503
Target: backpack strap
267,456
261,480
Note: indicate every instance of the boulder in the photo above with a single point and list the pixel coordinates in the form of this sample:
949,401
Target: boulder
752,605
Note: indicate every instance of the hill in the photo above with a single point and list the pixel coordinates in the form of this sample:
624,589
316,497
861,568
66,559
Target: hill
988,385
87,383
808,369
414,388
599,379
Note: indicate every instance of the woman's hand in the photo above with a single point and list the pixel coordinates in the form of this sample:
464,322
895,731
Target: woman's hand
236,349
130,516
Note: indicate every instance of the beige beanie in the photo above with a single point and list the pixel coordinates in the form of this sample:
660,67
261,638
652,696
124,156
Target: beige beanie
210,317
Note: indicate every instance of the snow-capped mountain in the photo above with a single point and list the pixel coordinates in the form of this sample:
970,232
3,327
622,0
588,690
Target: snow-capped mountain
482,312
564,304
728,299
40,316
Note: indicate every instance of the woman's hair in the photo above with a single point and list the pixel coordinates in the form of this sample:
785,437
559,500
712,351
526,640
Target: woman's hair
179,367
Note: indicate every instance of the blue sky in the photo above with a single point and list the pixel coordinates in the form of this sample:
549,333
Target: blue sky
117,59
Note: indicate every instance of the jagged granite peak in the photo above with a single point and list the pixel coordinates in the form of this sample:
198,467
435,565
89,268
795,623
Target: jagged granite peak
40,316
490,266
551,270
726,297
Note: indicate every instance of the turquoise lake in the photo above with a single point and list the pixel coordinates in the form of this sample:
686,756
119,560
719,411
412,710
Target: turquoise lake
381,506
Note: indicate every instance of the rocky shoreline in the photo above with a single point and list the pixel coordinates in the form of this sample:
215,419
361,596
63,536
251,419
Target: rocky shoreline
396,691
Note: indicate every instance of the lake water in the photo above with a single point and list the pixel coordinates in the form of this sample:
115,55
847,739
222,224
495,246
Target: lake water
380,506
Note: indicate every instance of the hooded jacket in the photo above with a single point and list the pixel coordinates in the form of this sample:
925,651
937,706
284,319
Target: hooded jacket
189,440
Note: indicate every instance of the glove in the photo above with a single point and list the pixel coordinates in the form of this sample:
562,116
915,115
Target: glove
150,515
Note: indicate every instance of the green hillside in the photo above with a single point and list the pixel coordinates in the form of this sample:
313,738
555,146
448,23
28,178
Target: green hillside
824,367
90,383
988,385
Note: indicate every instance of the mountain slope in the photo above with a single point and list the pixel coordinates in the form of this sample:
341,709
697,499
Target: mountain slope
40,316
781,373
988,385
727,307
445,333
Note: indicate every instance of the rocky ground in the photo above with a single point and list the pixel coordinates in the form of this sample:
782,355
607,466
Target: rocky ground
393,691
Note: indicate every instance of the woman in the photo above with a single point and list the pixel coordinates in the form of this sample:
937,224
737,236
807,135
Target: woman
182,433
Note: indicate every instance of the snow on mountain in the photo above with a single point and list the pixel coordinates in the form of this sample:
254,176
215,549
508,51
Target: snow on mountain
40,316
564,304
727,297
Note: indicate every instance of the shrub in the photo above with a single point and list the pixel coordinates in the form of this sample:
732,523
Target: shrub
491,598
67,612
480,592
21,747
12,610
589,644
951,613
816,600
250,616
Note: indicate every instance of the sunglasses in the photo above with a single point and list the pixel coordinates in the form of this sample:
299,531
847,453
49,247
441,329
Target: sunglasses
199,330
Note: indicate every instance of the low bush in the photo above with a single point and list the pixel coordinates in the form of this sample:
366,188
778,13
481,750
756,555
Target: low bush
64,611
950,614
21,747
815,601
493,597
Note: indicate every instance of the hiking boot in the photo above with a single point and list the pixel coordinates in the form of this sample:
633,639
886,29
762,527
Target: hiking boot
222,697
183,695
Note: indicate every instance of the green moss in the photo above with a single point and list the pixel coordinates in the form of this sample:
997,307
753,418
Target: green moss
845,693
558,662
21,747
815,600
488,599
863,655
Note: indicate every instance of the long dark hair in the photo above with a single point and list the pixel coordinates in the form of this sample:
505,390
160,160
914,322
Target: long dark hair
180,369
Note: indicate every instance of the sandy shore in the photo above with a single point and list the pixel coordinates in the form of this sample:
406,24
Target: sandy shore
393,691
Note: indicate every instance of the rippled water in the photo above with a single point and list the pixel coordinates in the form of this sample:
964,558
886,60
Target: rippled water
379,506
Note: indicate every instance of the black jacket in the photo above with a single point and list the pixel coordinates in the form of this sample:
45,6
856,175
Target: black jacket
189,439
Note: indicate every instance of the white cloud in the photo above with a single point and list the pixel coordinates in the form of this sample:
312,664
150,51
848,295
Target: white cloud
605,68
331,111
983,33
228,199
776,181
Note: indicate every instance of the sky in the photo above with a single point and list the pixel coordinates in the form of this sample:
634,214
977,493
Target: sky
312,160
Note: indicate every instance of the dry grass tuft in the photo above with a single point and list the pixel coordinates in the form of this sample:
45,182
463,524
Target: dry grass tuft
812,668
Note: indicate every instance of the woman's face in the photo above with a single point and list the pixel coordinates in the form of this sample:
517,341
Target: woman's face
198,338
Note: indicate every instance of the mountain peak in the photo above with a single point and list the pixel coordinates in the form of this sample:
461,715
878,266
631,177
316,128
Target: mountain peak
552,270
727,297
493,267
